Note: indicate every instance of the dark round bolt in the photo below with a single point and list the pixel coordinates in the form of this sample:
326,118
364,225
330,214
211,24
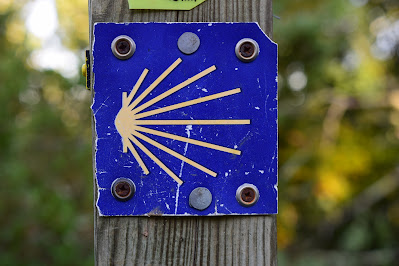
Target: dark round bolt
247,195
247,50
123,189
123,47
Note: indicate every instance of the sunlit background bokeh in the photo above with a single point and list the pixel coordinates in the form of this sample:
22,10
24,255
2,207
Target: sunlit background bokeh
338,133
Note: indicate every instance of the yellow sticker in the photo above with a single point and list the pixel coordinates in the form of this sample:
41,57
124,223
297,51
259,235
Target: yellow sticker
165,4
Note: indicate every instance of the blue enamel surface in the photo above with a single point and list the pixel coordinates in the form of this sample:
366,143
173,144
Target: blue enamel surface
157,193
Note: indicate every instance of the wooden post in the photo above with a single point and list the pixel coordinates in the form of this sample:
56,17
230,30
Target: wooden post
225,240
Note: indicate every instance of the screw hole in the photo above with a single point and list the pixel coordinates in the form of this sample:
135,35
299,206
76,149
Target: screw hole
123,47
247,195
123,189
247,50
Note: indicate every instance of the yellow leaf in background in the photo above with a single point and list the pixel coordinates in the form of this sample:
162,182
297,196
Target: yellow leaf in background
394,99
5,5
290,215
369,79
285,236
74,22
53,94
331,189
350,157
15,32
286,223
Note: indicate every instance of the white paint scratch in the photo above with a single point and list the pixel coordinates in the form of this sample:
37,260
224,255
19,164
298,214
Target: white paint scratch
177,198
222,205
246,135
188,132
101,106
156,192
274,157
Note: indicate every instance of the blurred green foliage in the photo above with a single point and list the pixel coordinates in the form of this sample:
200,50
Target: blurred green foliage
338,131
45,157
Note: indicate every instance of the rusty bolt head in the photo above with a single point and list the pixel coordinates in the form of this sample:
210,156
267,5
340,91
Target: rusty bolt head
247,50
247,195
123,47
123,189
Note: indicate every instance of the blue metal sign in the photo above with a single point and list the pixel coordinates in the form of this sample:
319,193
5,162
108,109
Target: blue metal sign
186,119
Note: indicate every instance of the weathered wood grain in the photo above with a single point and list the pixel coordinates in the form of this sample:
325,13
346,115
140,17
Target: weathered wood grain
227,240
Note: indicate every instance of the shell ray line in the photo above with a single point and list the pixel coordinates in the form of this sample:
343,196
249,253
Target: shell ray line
187,103
183,139
173,153
172,90
155,83
136,86
155,159
124,142
193,122
136,156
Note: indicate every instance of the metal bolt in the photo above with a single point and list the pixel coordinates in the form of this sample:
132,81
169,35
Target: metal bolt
247,195
247,50
188,43
200,198
123,189
123,47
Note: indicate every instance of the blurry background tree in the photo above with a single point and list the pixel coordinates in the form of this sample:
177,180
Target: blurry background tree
45,135
339,133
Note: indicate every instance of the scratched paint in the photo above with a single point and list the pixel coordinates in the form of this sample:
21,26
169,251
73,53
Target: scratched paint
157,193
